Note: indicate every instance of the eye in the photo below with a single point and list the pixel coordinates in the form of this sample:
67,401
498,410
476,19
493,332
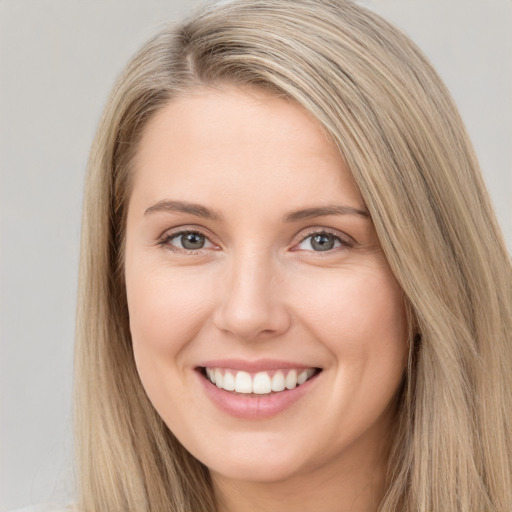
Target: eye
321,242
187,241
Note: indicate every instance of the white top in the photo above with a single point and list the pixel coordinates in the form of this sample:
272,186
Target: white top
46,507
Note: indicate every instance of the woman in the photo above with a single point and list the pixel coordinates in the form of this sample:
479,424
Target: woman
294,292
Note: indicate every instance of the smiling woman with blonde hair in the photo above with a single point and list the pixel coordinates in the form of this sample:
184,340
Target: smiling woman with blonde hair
294,294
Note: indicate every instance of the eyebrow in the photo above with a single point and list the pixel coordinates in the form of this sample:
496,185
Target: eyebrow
198,210
184,207
309,213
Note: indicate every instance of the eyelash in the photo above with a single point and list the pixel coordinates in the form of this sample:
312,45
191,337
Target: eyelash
344,242
166,239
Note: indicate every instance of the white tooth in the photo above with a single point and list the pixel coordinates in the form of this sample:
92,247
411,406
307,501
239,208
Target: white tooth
229,381
243,383
291,379
310,372
302,377
211,374
261,383
218,378
278,381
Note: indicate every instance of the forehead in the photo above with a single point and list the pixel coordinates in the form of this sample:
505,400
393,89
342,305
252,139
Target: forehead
239,142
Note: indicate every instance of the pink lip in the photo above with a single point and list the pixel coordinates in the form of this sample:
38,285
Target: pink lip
260,365
252,407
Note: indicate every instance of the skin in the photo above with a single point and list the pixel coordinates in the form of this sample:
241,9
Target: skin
258,289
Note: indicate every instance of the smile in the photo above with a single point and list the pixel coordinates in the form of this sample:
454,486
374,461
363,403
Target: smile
260,383
256,390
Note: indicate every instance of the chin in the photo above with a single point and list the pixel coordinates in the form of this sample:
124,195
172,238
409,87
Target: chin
268,460
262,472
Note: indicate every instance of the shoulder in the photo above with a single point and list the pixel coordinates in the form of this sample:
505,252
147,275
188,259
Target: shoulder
47,507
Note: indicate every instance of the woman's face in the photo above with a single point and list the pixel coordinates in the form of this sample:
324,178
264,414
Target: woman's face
251,261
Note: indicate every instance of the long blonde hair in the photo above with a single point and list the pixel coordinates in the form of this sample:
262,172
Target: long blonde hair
399,131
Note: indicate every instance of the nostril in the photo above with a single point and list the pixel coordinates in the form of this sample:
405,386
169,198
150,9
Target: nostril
251,310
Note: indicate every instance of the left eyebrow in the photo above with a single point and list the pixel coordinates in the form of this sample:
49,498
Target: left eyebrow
184,207
322,211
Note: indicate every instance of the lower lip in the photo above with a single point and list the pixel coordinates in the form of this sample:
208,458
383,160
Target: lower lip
252,407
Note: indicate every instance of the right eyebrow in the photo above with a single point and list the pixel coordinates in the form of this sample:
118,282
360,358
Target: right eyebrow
322,211
167,205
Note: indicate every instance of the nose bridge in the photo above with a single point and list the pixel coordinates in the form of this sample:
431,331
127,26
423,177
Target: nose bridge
252,303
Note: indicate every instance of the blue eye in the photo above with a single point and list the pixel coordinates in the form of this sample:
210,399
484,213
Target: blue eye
188,241
321,242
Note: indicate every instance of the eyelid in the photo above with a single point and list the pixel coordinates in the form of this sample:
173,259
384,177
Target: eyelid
169,234
346,240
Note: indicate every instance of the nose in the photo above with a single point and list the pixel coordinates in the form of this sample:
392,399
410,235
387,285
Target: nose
252,305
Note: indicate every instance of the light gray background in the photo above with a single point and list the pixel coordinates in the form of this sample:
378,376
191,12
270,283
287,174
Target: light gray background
58,60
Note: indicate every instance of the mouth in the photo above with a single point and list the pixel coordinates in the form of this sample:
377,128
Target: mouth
258,384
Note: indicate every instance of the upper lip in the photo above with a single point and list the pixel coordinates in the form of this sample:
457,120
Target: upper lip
259,365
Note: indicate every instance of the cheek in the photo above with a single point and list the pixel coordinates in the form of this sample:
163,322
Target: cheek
167,309
355,301
360,317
